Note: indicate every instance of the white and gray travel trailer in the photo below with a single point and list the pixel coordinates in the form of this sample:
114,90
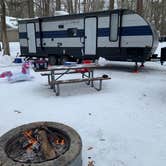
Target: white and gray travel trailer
117,35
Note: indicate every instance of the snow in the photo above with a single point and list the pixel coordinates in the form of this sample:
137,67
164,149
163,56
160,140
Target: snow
60,13
12,22
124,123
14,51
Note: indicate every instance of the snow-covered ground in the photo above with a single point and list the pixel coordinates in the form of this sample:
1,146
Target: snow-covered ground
125,123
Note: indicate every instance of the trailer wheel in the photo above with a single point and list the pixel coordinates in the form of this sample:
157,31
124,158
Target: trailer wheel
52,60
64,59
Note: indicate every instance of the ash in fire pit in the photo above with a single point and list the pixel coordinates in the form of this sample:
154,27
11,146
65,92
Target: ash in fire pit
41,143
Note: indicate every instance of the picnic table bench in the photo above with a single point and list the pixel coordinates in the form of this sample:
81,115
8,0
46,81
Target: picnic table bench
56,84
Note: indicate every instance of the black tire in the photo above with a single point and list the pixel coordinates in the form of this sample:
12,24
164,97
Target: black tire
65,58
72,157
52,60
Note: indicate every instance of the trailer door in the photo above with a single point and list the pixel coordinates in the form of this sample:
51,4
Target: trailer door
90,36
31,38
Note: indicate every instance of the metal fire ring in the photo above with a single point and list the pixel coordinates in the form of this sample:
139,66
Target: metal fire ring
72,157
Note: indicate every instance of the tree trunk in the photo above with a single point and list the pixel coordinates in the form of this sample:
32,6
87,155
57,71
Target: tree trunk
75,5
4,29
79,6
85,6
18,8
58,5
121,4
70,6
163,18
46,7
140,7
111,4
93,5
30,8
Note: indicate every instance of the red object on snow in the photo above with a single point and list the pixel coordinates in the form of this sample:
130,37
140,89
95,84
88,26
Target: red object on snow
25,68
85,69
6,74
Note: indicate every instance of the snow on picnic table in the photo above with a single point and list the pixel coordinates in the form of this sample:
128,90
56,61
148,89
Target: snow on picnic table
124,123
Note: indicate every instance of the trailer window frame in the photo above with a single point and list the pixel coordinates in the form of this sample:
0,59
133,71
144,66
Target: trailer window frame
61,26
114,34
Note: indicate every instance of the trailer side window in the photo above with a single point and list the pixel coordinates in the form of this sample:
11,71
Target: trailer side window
61,26
114,26
72,32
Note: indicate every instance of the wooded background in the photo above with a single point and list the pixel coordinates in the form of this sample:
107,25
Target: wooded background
153,10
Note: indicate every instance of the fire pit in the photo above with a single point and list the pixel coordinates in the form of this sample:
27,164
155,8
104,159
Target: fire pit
41,144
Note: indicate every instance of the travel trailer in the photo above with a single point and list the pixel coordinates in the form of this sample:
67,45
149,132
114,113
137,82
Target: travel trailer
117,35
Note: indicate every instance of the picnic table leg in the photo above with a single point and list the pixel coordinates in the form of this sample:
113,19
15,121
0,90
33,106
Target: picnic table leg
49,80
89,76
52,79
54,88
58,90
100,86
92,75
83,75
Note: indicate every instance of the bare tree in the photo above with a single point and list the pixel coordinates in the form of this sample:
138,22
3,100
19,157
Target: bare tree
153,10
111,4
79,6
58,5
85,5
30,8
17,8
46,7
38,8
122,3
163,18
42,7
148,9
140,7
4,28
75,6
96,5
70,7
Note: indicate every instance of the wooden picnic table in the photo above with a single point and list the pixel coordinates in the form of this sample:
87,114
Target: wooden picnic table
68,67
77,66
86,71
